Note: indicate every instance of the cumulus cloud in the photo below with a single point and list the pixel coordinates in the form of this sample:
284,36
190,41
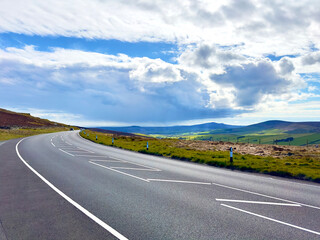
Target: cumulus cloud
311,59
114,90
251,82
286,66
209,57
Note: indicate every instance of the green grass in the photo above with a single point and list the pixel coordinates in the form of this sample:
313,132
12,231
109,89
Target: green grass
262,138
7,134
307,168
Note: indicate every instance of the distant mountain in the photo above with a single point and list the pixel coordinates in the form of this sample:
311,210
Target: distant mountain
10,119
285,127
173,130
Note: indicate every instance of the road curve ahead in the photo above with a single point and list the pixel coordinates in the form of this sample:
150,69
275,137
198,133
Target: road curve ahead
61,186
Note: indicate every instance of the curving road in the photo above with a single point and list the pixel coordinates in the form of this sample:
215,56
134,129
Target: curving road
60,186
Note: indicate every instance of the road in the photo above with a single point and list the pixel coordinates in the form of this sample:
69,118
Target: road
61,186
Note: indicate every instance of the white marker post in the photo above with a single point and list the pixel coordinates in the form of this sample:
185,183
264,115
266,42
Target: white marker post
96,137
147,145
231,155
112,141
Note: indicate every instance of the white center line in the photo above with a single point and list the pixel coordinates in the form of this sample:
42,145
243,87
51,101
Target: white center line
177,181
257,202
130,175
271,219
66,152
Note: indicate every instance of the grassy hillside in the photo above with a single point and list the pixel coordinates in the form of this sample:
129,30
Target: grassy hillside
16,125
9,119
271,132
302,163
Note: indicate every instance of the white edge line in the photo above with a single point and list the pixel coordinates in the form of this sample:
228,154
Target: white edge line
258,202
177,181
66,152
142,179
271,219
263,195
77,205
53,144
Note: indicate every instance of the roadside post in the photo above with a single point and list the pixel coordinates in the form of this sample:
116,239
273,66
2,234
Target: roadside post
112,141
147,145
96,137
231,155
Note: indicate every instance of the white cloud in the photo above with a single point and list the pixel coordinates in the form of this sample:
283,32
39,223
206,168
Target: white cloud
263,26
146,90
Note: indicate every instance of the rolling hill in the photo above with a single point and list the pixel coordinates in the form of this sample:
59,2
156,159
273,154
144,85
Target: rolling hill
281,126
173,130
269,132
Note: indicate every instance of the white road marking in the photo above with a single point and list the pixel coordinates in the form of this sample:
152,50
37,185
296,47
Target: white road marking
68,143
86,155
177,181
85,150
2,143
53,144
66,152
264,195
257,202
77,205
141,165
116,158
138,169
77,151
130,175
155,169
271,219
100,160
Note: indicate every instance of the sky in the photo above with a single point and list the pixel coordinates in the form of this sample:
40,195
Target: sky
161,62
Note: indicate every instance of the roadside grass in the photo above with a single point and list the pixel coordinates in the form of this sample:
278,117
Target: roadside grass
306,168
7,134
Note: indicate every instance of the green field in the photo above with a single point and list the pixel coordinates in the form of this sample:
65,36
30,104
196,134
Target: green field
266,137
306,167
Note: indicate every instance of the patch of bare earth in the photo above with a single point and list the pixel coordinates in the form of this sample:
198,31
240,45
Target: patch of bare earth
252,149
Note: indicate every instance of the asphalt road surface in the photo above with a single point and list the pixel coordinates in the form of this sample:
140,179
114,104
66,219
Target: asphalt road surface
60,186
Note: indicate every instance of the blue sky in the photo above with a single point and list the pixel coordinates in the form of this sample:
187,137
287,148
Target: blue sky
109,63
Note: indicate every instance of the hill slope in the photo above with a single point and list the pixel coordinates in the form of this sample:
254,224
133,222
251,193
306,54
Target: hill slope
282,126
9,119
173,130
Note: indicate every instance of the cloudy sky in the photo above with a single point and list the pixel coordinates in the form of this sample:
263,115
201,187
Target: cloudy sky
124,62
